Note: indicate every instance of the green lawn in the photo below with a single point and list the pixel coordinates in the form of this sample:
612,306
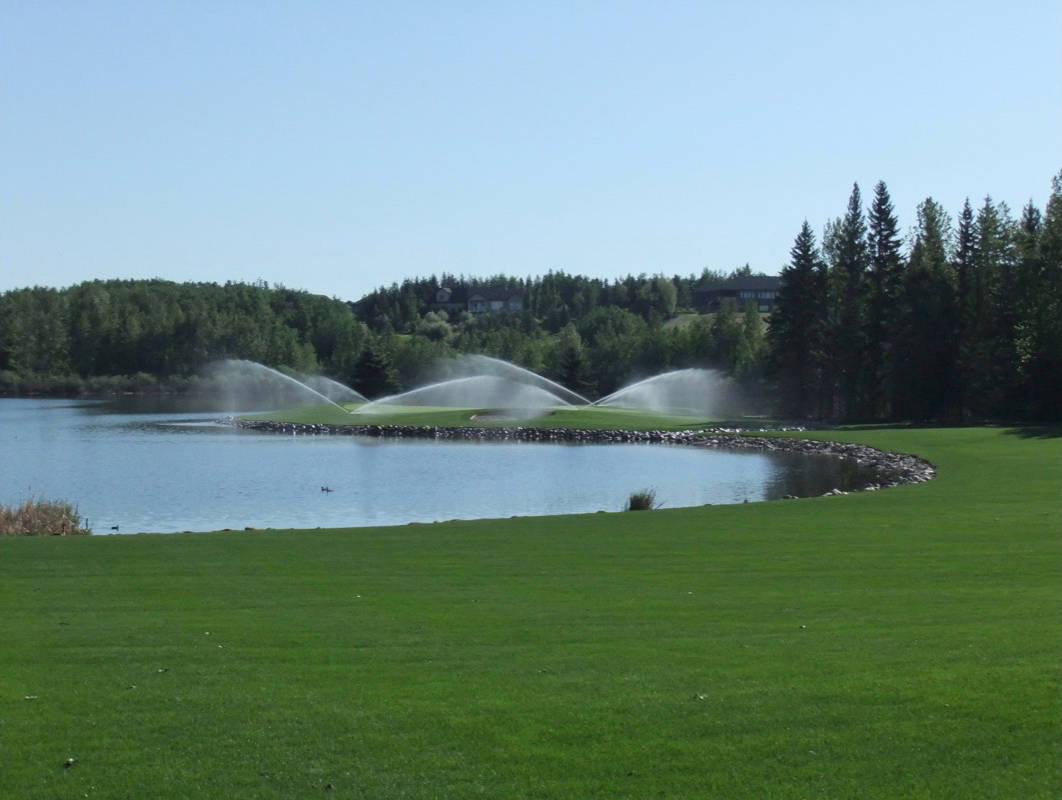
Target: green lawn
585,417
904,643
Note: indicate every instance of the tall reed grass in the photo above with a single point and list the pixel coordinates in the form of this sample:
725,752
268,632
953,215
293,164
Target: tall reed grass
645,500
37,517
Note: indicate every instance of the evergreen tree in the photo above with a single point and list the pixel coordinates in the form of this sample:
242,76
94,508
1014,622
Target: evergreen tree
885,280
846,312
375,375
965,323
1039,341
925,334
796,329
569,363
1029,264
1028,268
990,364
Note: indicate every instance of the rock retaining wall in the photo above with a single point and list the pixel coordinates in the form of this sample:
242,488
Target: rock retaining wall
891,469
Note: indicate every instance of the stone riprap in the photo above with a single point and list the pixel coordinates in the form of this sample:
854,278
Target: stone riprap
890,469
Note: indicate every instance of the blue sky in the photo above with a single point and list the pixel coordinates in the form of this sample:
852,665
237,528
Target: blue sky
336,147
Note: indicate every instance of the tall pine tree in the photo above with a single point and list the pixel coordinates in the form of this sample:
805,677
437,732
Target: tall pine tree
796,329
924,338
846,312
965,318
1039,339
885,280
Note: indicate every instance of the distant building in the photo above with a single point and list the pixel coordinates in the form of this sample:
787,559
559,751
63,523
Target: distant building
483,300
479,301
450,300
742,289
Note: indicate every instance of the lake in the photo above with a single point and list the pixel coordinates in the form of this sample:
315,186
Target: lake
149,467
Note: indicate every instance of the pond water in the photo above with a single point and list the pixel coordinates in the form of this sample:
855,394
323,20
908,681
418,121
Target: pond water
165,470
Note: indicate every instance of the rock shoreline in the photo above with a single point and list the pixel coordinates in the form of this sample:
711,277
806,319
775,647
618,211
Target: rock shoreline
890,469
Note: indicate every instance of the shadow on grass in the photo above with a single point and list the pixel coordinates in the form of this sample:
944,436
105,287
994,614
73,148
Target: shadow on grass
900,426
1036,431
1043,431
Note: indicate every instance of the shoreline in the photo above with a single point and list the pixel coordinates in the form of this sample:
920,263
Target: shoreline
890,469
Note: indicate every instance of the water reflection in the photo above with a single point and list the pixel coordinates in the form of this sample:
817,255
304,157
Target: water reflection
810,475
161,470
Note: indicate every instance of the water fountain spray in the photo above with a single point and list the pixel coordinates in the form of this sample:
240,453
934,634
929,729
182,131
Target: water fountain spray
334,390
683,391
476,391
235,366
488,365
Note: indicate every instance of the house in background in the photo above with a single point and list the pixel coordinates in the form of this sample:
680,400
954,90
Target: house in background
741,289
449,300
483,300
479,301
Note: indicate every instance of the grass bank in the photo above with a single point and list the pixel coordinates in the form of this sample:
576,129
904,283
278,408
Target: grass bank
584,417
896,644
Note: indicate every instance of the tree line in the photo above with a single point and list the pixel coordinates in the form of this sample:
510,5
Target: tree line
965,321
58,339
552,300
589,334
959,319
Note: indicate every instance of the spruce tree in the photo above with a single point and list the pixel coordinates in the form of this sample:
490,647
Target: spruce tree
375,373
965,321
1027,290
924,338
1029,264
885,280
989,357
1039,343
846,340
795,335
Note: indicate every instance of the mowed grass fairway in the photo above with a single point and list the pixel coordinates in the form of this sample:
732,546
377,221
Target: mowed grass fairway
900,644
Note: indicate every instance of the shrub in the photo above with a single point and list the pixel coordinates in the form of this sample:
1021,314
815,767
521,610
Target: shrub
645,500
41,518
9,381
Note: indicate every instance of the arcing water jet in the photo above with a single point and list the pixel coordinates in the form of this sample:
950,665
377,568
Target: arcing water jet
334,390
474,364
477,391
297,392
689,392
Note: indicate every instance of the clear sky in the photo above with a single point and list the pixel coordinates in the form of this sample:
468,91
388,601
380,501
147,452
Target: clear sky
339,146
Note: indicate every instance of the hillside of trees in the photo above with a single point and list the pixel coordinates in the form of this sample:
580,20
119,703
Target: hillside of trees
959,319
96,333
589,334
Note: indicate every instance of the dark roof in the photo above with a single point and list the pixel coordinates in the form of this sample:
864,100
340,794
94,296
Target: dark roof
458,294
496,294
754,283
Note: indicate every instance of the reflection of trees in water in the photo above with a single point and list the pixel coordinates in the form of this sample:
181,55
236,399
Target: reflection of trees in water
810,476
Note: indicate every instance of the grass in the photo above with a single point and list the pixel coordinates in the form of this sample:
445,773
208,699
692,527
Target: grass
686,318
585,417
903,643
39,517
642,500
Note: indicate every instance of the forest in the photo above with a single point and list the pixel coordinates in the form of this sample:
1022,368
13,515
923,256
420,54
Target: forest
589,334
964,321
956,320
